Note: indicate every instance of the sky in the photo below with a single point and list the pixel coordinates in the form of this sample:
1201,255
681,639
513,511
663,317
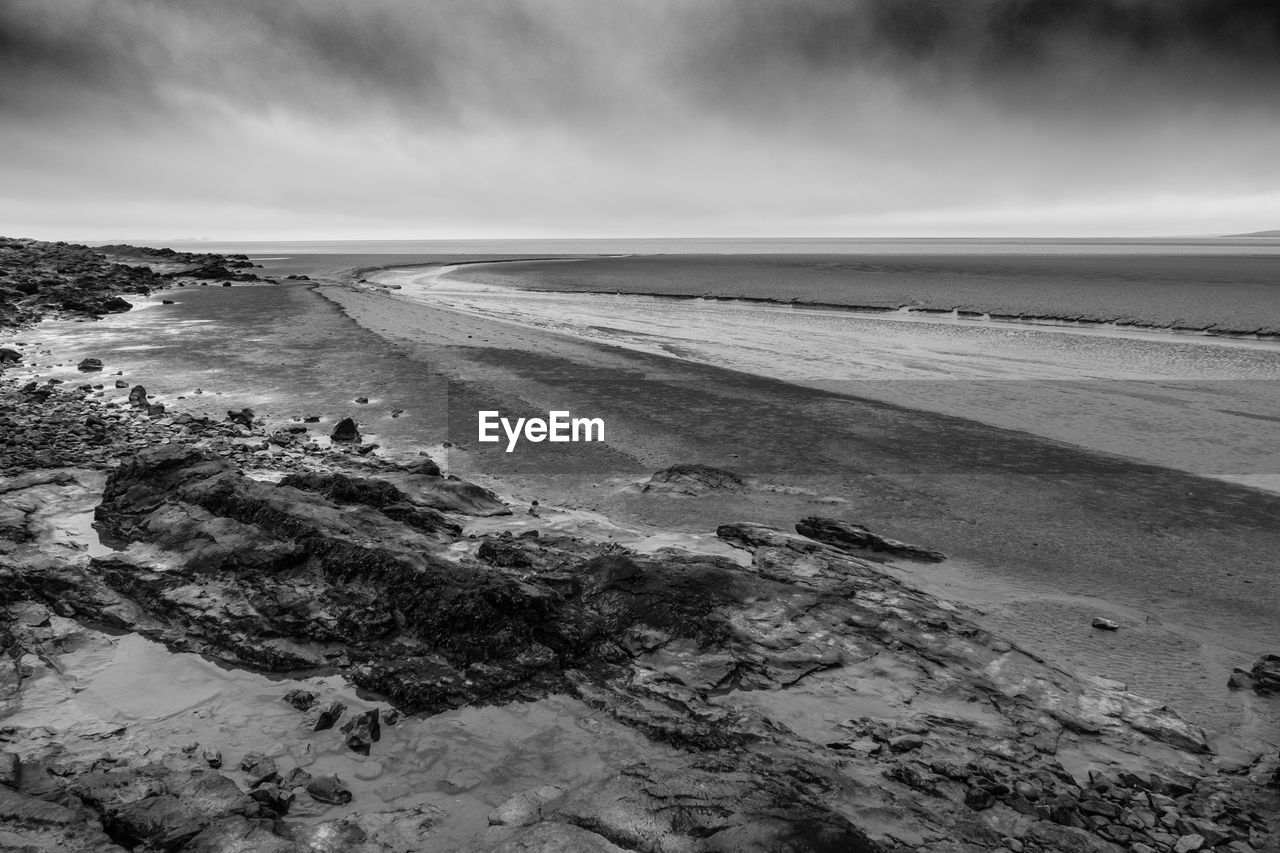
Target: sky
452,119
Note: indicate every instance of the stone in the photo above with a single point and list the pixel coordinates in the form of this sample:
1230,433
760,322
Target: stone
89,364
856,538
1188,843
10,767
212,757
1105,624
330,790
362,731
694,481
301,699
1265,673
345,431
138,397
329,715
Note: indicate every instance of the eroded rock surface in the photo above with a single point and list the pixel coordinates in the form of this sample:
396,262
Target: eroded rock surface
804,701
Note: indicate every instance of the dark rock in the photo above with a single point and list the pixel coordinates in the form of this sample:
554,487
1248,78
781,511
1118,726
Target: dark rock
329,716
244,417
213,758
274,797
330,790
138,397
694,480
120,383
166,302
362,731
9,769
9,356
1266,675
345,430
362,400
854,537
89,364
155,409
301,699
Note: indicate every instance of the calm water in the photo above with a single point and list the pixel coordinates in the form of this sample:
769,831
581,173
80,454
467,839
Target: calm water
745,246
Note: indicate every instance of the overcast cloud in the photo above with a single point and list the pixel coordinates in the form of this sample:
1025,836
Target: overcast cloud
476,118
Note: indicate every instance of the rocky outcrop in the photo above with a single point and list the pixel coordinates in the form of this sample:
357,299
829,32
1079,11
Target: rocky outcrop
694,480
856,538
39,279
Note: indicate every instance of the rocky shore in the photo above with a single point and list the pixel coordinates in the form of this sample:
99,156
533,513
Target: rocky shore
786,694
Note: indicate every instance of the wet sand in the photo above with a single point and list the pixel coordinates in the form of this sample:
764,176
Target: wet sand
1042,535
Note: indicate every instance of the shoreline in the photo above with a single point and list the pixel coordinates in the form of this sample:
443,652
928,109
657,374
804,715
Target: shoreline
937,684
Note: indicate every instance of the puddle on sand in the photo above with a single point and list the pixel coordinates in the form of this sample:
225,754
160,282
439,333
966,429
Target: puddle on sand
127,696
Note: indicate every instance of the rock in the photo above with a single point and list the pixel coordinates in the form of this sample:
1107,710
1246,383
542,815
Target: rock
262,771
525,807
90,364
346,431
905,743
9,769
362,400
362,731
457,496
138,397
120,383
694,480
330,790
212,757
1105,624
9,356
1266,675
155,409
244,417
329,715
854,537
1188,843
978,798
166,302
301,699
273,797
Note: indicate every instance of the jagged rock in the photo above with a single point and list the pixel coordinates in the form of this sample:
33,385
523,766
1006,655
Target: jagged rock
159,807
362,731
329,715
9,768
273,796
213,757
854,537
9,356
138,397
346,431
694,480
89,364
1105,624
32,825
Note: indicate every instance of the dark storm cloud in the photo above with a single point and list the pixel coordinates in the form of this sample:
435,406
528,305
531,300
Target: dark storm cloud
572,58
1174,51
652,116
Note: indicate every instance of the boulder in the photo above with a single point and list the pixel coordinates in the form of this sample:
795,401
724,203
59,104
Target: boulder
89,364
345,430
